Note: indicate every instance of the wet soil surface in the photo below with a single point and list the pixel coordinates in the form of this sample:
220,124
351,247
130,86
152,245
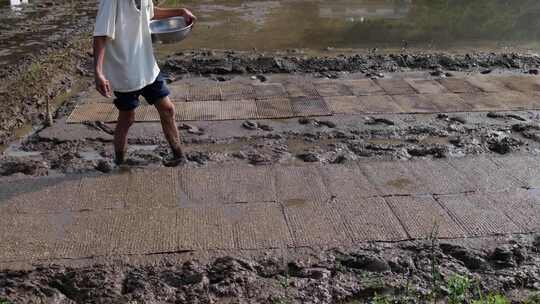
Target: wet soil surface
48,44
49,79
343,275
298,61
410,272
30,29
76,148
44,57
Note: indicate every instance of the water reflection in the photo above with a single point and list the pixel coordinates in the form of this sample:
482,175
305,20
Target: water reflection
351,10
386,24
434,25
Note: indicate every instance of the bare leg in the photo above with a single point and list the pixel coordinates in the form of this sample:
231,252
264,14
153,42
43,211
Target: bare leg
167,115
125,120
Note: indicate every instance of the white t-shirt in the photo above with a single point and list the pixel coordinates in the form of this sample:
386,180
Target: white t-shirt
129,62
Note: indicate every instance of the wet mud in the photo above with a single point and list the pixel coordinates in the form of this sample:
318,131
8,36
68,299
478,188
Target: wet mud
410,272
31,28
407,272
296,61
66,148
50,64
57,58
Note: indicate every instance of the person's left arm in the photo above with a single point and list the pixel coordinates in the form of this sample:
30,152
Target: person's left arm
162,13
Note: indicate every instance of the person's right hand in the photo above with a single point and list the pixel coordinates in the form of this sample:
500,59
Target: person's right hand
103,86
188,15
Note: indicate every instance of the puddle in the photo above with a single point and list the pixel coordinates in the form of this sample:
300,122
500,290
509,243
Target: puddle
386,141
15,153
400,183
297,146
368,24
18,133
387,25
295,203
435,141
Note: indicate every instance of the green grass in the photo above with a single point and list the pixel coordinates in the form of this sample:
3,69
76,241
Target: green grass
339,266
492,299
381,300
433,239
34,71
284,281
458,289
459,293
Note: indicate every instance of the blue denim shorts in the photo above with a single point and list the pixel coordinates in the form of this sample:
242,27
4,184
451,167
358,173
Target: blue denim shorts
127,101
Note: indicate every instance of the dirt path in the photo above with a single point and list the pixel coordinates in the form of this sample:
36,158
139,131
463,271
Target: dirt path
266,234
418,117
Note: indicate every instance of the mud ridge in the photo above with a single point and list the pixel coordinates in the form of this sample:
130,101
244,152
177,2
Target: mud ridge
411,272
235,62
68,149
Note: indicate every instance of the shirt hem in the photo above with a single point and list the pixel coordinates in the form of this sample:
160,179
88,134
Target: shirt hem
138,87
97,34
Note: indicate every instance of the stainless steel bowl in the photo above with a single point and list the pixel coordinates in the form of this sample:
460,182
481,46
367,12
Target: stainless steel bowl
170,30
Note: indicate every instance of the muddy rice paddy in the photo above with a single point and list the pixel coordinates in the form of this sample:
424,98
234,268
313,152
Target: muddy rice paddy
46,58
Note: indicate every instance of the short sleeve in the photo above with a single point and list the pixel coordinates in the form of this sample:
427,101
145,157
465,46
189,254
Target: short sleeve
106,18
150,9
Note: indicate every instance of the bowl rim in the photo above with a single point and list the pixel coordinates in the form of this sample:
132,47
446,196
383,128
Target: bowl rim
189,26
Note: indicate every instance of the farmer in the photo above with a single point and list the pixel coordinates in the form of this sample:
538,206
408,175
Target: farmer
124,64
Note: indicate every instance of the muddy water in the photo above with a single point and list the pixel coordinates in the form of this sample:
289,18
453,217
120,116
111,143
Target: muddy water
502,25
385,24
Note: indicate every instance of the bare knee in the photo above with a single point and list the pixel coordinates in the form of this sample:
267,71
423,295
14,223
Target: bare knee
166,109
126,119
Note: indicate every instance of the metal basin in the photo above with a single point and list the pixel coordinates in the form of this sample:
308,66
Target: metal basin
170,30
